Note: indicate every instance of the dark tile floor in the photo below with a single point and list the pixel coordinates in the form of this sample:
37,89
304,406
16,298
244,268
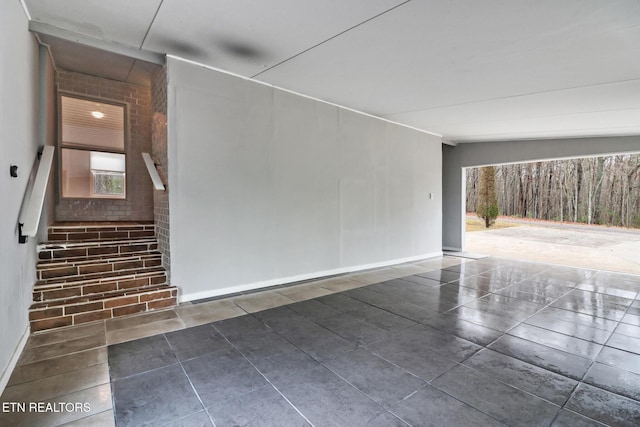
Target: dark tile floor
488,342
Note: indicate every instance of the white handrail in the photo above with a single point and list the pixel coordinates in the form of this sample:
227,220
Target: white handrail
30,216
153,172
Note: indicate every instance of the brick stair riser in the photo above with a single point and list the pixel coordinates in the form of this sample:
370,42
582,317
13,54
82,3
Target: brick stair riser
96,250
100,233
101,310
108,271
81,267
90,273
92,287
95,297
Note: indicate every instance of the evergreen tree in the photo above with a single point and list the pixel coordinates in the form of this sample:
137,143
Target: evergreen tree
487,198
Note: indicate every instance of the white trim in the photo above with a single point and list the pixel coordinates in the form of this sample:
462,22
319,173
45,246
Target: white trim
301,277
302,95
153,172
30,217
6,374
26,10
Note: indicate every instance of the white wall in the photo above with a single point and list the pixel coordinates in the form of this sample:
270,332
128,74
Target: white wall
455,159
268,186
18,146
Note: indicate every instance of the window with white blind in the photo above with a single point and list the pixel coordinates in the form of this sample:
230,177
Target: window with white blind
92,140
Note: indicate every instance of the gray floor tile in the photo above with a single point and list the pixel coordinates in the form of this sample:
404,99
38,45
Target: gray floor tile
512,292
318,342
414,356
545,357
382,381
577,304
578,318
492,321
604,406
239,327
423,281
154,398
313,309
568,418
609,289
511,302
614,380
624,342
628,330
396,306
142,355
282,319
199,419
431,407
441,343
285,368
221,376
599,336
484,282
620,359
352,329
501,401
556,340
193,342
444,276
544,288
327,400
453,325
524,376
631,319
503,310
469,268
261,407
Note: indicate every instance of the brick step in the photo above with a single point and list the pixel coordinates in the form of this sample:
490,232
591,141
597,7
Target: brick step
91,297
113,305
53,264
100,277
100,235
58,291
95,271
66,271
68,231
79,249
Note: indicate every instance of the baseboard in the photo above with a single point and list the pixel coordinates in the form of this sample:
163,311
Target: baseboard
451,249
6,374
292,279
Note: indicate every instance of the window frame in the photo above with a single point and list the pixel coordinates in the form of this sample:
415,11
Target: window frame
61,145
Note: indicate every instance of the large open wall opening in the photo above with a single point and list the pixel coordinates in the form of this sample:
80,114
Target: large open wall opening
457,158
582,212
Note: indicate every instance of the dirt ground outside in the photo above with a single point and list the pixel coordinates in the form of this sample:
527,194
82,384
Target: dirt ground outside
577,245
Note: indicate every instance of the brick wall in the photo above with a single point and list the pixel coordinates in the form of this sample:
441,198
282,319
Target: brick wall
159,154
139,204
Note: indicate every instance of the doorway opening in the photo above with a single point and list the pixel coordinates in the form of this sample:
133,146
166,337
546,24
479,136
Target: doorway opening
582,212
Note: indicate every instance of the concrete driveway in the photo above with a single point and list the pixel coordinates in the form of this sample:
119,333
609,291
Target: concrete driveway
596,247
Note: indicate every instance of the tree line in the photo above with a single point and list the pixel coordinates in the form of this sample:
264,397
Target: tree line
596,190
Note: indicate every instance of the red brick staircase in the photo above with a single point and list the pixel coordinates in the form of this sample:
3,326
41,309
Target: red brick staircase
95,271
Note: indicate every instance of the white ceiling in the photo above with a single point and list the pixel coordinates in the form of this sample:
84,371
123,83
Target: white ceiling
466,69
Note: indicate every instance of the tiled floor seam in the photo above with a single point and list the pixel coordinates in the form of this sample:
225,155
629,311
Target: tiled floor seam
263,376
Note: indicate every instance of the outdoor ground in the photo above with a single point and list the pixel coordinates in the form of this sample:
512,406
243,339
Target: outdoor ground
578,245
